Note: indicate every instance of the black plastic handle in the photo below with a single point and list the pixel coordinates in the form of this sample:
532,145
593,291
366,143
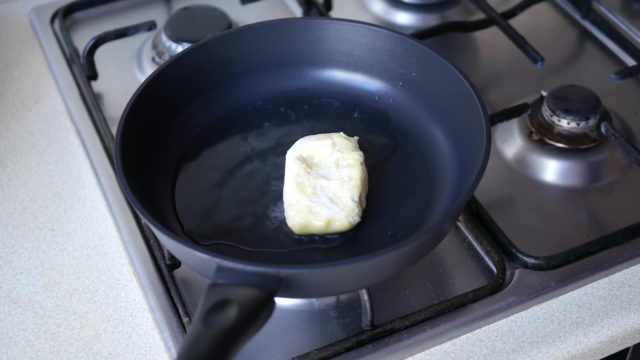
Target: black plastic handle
227,316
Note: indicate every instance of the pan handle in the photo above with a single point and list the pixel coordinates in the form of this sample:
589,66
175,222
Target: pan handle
227,316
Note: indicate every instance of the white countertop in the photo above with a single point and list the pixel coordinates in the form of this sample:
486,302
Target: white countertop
69,290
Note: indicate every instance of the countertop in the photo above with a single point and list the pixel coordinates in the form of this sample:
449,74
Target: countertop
70,292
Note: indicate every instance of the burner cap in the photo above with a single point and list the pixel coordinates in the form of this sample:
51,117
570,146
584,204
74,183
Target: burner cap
571,106
191,24
568,116
187,26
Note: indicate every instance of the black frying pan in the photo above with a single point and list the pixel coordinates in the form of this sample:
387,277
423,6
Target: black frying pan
200,155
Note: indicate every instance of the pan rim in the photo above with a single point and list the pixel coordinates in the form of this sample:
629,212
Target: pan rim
267,267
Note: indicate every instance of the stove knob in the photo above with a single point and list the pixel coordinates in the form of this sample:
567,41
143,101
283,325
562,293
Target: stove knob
187,26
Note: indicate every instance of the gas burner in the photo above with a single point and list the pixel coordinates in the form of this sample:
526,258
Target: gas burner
552,165
185,27
569,116
568,120
417,14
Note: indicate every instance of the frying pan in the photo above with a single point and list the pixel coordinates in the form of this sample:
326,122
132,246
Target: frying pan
200,155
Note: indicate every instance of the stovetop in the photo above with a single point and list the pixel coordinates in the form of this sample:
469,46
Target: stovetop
544,219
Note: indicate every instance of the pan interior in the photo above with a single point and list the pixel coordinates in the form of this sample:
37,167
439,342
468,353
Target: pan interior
201,146
229,179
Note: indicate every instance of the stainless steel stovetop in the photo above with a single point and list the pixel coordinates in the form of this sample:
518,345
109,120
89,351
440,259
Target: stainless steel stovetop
544,220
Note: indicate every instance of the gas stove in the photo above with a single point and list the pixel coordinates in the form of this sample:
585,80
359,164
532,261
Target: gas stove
558,206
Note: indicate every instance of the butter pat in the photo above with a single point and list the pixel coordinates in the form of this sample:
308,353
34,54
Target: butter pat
325,184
